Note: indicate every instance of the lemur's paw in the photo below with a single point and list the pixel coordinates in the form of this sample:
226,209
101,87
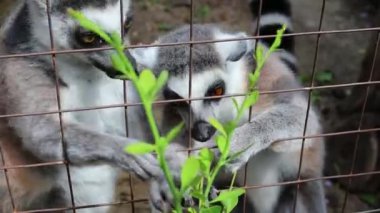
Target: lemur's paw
161,198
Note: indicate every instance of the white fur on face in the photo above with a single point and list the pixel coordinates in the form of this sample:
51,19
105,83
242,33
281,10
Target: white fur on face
235,79
147,57
228,48
108,18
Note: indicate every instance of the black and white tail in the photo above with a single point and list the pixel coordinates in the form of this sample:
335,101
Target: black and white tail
275,14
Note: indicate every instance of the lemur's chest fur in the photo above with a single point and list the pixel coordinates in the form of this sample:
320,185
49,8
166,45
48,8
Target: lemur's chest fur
88,87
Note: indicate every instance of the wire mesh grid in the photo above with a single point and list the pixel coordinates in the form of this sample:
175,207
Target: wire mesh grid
309,89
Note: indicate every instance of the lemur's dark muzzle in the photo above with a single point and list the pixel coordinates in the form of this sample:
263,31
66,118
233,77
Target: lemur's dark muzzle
131,59
202,131
109,70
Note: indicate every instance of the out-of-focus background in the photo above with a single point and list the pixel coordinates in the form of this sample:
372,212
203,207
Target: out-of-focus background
342,58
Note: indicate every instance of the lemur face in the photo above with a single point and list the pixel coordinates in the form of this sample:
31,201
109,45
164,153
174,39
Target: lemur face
69,35
218,69
209,86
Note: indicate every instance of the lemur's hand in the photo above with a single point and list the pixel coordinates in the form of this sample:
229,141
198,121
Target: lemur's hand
144,166
245,143
161,199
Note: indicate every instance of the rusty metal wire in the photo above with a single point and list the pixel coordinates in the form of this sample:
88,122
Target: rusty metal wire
313,74
361,119
4,167
64,146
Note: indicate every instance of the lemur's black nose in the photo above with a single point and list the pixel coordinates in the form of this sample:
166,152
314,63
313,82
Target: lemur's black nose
202,131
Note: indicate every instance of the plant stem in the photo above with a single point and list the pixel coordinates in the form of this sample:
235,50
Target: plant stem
233,180
200,188
160,150
160,145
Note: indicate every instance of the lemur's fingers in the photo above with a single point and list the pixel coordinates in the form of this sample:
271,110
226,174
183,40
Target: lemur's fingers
150,165
176,157
136,168
144,166
213,193
160,196
236,164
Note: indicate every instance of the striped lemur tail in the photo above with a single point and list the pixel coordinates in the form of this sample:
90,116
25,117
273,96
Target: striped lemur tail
273,15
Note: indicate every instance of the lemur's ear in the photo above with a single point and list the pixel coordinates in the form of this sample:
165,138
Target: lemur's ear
232,50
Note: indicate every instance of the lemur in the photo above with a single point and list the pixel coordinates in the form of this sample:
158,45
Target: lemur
222,69
94,140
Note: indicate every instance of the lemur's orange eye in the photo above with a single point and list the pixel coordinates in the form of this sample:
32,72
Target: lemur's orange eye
216,89
219,91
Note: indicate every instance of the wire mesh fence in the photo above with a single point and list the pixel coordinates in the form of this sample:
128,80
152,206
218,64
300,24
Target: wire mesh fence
368,87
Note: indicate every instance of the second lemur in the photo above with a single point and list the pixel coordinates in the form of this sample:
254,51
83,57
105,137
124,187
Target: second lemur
222,68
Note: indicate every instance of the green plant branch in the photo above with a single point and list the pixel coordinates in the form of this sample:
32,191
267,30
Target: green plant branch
192,179
122,64
226,131
161,145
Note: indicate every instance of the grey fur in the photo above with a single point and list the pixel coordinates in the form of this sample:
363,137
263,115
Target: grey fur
80,4
175,59
277,117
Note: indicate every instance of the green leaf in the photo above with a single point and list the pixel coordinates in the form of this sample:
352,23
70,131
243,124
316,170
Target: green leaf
230,204
236,104
371,199
89,25
253,79
212,209
277,42
206,154
173,133
198,195
324,77
259,54
218,126
221,142
161,81
189,172
140,148
251,99
191,210
228,194
147,81
116,38
205,157
118,63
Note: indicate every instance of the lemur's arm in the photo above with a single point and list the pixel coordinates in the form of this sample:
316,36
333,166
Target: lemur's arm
281,121
29,90
275,116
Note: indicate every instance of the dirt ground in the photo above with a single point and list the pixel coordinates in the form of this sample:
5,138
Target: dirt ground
339,55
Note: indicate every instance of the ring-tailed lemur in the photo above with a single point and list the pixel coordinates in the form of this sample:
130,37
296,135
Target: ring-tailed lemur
222,69
95,139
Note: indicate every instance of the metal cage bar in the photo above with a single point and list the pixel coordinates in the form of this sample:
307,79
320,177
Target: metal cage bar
63,144
361,120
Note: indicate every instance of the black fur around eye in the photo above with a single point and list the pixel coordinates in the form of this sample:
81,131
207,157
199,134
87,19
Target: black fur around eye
88,39
128,24
216,89
171,95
